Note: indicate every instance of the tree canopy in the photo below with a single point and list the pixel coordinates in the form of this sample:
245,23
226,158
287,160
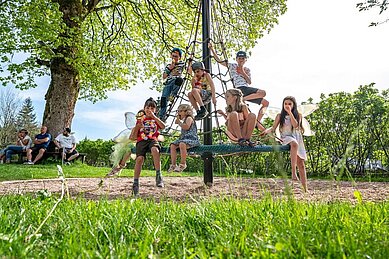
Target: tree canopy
114,44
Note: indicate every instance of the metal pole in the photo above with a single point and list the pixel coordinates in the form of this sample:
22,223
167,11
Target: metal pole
208,156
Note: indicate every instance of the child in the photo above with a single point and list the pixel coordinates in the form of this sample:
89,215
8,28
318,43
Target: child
290,126
203,90
146,131
240,122
241,77
173,76
187,139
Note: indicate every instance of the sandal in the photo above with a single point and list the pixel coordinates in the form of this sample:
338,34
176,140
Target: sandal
242,142
251,143
180,168
172,168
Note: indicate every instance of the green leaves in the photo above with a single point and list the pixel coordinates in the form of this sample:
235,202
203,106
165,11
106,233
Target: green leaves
113,45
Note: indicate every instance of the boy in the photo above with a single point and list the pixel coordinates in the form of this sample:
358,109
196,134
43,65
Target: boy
241,77
173,80
146,133
203,90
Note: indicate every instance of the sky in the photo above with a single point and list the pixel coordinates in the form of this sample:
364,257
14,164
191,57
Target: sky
318,47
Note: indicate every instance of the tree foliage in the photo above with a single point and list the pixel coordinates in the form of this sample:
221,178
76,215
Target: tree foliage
9,105
114,44
381,5
26,117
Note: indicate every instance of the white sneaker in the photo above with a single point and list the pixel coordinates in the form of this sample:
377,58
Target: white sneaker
28,163
180,168
172,168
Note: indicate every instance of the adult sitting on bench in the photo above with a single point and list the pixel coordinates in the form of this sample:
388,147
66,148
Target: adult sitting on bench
23,143
41,143
67,145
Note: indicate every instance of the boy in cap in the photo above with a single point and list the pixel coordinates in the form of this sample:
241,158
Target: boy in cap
67,145
172,75
241,77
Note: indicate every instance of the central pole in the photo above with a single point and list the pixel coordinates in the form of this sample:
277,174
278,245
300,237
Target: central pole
207,156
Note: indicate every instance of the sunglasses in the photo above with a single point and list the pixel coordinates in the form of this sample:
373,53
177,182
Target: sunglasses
175,56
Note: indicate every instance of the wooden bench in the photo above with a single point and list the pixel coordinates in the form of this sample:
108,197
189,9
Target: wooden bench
54,154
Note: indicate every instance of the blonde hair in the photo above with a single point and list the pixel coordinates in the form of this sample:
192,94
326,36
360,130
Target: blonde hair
238,106
187,108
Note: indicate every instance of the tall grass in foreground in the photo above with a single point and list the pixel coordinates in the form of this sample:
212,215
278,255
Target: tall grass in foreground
214,228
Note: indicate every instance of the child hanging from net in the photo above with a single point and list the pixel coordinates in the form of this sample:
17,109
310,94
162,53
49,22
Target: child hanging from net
203,90
241,77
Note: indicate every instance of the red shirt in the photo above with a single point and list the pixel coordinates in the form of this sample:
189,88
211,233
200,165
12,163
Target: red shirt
149,130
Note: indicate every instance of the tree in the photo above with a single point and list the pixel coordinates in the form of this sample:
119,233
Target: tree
374,4
9,104
26,117
89,47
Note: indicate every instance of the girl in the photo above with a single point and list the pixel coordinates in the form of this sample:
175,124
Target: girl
290,126
187,139
240,122
202,90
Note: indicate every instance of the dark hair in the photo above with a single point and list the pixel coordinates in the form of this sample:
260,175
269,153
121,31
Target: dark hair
23,131
294,112
178,50
68,130
150,103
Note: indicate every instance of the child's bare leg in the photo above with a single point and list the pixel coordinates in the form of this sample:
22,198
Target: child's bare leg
173,154
249,126
293,158
262,111
233,125
192,101
197,97
124,160
259,94
156,158
138,166
183,152
302,172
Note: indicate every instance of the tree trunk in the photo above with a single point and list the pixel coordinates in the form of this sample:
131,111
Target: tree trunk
61,97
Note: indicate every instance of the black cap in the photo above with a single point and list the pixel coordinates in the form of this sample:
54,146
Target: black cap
68,130
241,54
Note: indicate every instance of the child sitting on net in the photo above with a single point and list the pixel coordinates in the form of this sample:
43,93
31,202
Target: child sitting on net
203,89
188,138
240,122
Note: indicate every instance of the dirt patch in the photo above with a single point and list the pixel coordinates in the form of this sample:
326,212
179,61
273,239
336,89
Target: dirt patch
193,188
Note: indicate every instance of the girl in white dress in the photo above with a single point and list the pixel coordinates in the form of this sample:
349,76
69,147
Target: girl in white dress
290,126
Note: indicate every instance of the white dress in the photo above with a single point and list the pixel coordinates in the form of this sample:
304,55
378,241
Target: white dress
288,135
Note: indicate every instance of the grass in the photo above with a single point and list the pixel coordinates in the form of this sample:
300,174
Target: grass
11,172
222,228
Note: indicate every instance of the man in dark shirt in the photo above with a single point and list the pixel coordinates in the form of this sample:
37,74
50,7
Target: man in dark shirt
41,143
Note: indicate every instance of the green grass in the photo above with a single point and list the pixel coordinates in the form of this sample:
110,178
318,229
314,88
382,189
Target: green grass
9,172
221,228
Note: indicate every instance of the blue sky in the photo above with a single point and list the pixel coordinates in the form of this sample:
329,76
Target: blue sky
317,47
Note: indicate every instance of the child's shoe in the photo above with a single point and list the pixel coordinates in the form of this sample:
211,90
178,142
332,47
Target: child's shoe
135,189
172,168
180,168
159,181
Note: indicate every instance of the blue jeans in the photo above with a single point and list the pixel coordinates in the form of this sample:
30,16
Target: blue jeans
12,149
171,88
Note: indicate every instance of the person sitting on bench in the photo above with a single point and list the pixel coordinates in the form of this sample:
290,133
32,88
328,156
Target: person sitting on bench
23,143
41,142
67,145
